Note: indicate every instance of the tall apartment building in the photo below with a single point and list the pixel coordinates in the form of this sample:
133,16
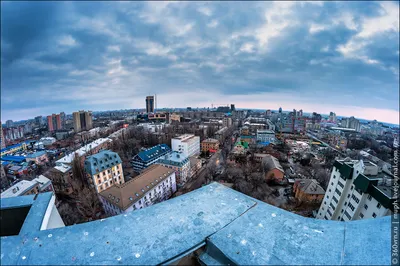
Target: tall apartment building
104,169
9,123
179,163
54,122
351,122
150,104
148,157
157,183
357,191
82,120
187,144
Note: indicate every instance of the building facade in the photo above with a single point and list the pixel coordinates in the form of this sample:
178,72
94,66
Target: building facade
265,136
155,184
272,169
61,177
308,190
104,169
179,163
82,120
210,145
227,121
357,191
149,104
149,156
187,144
54,122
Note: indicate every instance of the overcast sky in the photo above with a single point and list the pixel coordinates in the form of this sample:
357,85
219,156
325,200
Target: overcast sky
332,56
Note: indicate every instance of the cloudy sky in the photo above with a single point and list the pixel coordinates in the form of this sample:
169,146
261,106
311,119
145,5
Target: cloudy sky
315,56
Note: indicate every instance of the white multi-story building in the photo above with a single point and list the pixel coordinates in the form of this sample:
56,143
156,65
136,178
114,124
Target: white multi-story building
356,191
155,184
187,144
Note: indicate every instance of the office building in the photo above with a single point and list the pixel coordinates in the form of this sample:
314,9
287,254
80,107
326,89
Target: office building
104,169
179,163
233,108
145,158
357,191
155,184
82,120
54,122
150,104
210,145
187,144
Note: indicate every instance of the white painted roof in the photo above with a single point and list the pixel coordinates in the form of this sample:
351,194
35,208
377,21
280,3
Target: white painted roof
82,151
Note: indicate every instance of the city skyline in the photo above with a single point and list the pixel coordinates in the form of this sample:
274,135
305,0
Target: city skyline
315,56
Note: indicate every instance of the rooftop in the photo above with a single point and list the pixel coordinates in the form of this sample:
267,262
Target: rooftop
10,158
35,154
82,151
310,186
12,147
63,168
153,152
174,158
265,131
234,229
128,193
101,161
185,137
272,163
18,189
211,140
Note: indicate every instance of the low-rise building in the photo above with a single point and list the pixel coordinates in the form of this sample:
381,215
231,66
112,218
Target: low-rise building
149,156
61,177
13,148
245,131
92,148
357,190
308,190
27,187
272,168
39,157
240,147
210,145
47,141
155,184
227,121
174,118
179,163
187,144
265,137
221,134
104,169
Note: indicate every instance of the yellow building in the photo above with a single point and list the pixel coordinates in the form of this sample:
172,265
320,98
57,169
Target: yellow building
104,170
13,148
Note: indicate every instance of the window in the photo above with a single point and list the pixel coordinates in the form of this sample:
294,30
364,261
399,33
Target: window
361,215
329,190
374,215
333,207
366,206
338,192
351,206
340,184
345,203
347,215
355,198
348,196
335,199
369,197
327,196
329,211
342,211
378,206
